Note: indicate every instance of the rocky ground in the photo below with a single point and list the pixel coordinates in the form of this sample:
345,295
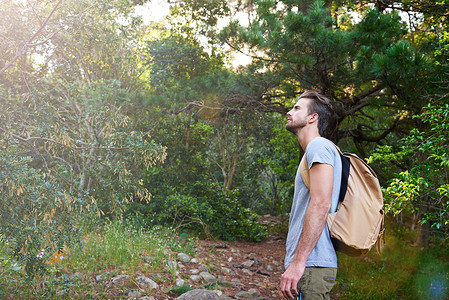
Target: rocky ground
249,270
232,270
218,270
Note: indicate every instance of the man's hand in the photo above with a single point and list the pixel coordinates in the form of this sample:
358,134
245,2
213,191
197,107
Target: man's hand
290,278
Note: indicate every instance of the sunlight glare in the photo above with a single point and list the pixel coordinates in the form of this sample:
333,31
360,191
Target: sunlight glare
153,11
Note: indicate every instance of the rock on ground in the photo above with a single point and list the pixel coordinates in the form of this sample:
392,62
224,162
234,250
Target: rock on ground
133,295
183,257
119,279
145,281
208,277
199,294
101,277
252,293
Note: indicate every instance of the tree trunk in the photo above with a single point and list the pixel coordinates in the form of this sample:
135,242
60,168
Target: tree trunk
189,129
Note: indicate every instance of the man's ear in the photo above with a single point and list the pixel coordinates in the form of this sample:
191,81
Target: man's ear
313,117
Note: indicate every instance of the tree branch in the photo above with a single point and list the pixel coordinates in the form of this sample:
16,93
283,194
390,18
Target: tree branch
249,55
360,135
28,43
357,98
22,139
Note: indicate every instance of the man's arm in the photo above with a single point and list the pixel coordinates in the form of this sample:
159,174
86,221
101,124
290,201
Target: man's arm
321,184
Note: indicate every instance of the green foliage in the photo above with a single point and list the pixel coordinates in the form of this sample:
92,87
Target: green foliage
198,17
425,183
174,59
402,194
87,142
66,157
370,68
279,160
204,207
182,70
99,43
37,215
189,189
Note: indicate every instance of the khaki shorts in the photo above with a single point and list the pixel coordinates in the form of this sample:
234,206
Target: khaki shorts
316,283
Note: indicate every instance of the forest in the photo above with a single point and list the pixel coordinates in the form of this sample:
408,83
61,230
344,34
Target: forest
119,112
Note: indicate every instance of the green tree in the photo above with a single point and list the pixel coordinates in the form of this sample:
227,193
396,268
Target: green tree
65,156
280,159
69,145
422,188
369,69
17,40
101,40
188,191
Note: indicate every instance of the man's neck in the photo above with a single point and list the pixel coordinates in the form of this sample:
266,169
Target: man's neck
305,137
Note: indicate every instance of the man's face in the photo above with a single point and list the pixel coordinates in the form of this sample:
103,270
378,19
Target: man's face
297,116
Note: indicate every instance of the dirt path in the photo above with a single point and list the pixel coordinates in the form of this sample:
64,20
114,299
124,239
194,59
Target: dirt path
253,265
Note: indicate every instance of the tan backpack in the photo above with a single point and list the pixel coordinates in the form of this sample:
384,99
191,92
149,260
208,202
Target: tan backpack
358,222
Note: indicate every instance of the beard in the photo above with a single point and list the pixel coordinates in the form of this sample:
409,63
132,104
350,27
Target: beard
294,127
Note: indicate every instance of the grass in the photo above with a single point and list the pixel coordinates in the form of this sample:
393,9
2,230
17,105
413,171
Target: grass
402,271
431,279
116,247
109,250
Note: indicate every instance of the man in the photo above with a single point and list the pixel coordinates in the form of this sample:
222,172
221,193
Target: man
311,261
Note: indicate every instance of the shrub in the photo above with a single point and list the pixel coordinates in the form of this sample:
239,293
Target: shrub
36,214
204,207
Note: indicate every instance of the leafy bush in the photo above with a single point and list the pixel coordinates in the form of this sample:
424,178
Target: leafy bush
423,187
69,157
204,207
37,216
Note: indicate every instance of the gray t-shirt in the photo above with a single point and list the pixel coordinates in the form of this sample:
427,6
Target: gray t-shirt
319,150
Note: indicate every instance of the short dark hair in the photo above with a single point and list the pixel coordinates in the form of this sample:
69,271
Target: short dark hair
320,105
